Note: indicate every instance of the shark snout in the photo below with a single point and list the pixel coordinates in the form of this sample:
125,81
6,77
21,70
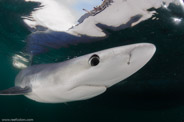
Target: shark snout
141,54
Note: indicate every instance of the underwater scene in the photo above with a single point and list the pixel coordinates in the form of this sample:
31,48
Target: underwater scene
122,60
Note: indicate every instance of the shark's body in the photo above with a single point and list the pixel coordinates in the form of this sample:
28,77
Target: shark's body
83,77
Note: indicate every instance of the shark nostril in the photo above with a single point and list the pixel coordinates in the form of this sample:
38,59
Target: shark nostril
130,55
94,60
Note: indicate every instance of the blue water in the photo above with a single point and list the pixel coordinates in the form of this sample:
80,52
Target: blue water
154,94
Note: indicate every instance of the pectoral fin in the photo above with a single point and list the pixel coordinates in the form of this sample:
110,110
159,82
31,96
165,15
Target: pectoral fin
16,91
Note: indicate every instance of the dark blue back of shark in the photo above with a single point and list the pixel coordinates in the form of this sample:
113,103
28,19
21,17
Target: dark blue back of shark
40,42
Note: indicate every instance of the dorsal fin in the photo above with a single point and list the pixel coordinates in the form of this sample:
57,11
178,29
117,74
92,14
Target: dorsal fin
16,91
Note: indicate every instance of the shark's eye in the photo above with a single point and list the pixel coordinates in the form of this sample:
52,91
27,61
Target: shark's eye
94,60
